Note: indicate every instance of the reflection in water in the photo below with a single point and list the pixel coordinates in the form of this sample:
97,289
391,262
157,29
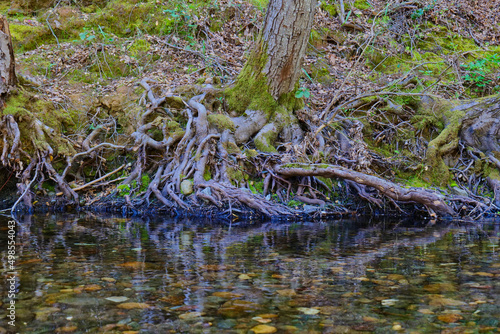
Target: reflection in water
89,274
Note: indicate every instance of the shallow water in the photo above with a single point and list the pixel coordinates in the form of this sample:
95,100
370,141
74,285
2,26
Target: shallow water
91,274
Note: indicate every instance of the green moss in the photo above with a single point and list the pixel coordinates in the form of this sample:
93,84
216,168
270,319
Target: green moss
331,9
362,4
16,105
235,175
251,153
415,182
231,147
207,176
222,122
216,25
437,171
264,142
320,72
251,90
315,39
261,4
26,37
139,48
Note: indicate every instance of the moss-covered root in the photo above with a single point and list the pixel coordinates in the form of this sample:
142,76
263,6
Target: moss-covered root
282,119
445,143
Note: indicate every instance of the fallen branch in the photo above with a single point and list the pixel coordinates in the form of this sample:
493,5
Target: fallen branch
99,179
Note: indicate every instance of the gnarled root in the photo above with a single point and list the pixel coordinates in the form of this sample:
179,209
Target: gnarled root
429,199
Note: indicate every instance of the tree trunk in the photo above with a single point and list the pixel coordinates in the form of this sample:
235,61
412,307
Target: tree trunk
7,63
274,64
266,84
283,42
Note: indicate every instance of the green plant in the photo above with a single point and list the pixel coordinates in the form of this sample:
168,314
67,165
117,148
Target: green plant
477,71
421,11
87,35
294,203
123,189
302,92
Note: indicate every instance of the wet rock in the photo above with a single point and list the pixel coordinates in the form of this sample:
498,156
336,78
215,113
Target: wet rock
441,301
24,315
227,324
44,313
66,329
132,305
191,315
227,294
440,287
264,329
287,292
244,277
92,287
238,308
308,311
450,318
81,301
108,279
117,299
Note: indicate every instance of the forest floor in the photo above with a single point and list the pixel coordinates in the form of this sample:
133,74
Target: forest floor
89,72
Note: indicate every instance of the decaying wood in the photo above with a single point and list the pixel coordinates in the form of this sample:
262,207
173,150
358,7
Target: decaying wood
7,62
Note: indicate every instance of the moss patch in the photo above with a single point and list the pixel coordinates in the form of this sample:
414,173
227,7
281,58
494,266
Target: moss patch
139,48
26,37
222,122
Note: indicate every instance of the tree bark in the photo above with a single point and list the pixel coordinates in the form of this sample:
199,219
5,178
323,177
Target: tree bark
7,63
273,67
284,40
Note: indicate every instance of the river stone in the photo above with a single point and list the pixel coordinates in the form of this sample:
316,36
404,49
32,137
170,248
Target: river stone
308,311
132,305
191,315
227,324
117,299
44,313
237,308
24,315
227,294
81,301
187,187
264,329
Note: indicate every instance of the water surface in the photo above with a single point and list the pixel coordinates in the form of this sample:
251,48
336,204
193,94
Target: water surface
89,274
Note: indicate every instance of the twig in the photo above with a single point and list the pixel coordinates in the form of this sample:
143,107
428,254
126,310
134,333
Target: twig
50,27
99,179
337,109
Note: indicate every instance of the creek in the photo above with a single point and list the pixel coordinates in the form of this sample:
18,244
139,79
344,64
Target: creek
87,273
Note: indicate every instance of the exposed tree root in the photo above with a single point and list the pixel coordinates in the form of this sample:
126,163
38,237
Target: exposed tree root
429,199
194,165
